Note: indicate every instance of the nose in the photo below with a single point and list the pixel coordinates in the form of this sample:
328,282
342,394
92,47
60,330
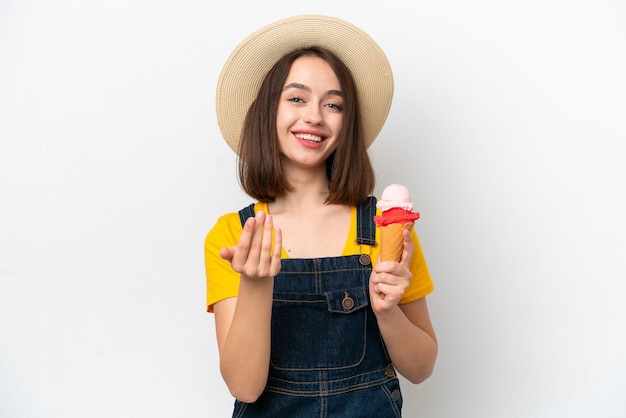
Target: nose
313,114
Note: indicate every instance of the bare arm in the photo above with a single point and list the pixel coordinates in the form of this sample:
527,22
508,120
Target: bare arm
410,339
406,329
243,323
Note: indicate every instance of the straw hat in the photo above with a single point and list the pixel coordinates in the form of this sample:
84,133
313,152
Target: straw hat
248,64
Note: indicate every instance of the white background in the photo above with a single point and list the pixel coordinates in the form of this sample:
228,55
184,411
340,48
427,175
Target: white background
508,126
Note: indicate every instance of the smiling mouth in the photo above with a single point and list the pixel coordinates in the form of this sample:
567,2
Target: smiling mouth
309,137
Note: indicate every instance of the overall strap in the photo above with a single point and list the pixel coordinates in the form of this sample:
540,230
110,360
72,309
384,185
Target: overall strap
365,225
245,213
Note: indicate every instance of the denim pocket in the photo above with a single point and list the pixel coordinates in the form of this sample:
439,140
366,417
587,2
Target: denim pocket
319,331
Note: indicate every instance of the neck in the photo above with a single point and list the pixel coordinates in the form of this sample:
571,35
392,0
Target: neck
310,190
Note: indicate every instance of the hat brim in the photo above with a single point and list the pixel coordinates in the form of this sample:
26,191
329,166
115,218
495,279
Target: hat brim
247,65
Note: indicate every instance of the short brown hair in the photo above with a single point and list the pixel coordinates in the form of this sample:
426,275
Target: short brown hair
350,174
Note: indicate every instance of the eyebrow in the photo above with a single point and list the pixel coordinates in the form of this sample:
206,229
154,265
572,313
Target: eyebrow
306,88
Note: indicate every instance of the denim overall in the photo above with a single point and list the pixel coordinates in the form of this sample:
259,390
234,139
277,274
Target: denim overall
328,358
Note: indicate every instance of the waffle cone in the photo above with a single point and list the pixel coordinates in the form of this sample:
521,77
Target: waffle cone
391,242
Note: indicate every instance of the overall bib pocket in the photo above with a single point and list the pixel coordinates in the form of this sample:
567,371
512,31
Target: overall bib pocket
322,331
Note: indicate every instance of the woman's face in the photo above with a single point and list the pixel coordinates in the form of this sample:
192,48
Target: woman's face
310,112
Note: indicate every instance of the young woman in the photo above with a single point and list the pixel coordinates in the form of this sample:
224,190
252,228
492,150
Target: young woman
294,280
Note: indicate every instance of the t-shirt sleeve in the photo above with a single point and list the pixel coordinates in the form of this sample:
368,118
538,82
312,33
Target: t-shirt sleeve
221,280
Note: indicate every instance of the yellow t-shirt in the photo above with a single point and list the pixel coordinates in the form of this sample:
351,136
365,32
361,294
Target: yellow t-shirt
223,281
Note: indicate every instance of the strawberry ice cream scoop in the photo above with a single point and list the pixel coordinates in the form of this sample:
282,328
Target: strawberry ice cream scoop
396,206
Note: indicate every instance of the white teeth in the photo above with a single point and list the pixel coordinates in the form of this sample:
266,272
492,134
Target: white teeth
309,137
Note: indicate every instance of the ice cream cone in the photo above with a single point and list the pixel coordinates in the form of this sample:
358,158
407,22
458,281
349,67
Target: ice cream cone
391,242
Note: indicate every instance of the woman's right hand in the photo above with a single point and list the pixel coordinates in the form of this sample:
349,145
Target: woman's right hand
254,256
243,323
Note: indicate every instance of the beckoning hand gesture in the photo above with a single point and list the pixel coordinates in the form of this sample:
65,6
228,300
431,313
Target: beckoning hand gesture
254,256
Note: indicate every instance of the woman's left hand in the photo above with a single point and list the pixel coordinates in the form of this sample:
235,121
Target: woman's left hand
390,279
